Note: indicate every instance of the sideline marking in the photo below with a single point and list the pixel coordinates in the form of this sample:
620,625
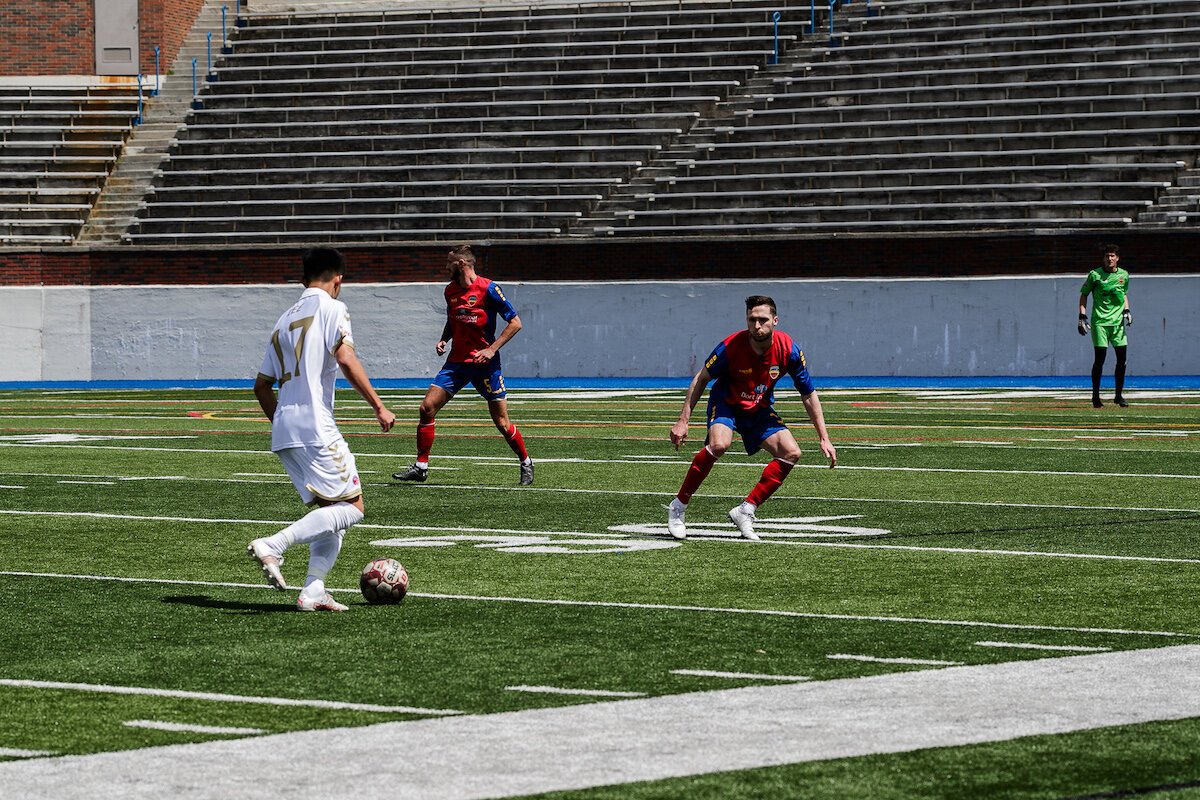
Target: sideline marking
749,676
929,662
218,697
582,692
1068,648
585,745
179,727
15,752
768,612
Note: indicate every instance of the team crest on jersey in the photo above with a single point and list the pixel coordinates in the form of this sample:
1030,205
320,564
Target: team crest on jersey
774,372
472,300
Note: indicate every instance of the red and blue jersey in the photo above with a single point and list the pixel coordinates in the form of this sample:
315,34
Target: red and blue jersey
746,380
472,312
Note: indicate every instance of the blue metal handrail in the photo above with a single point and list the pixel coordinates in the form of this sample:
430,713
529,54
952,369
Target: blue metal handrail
237,17
775,17
138,119
157,80
226,48
197,103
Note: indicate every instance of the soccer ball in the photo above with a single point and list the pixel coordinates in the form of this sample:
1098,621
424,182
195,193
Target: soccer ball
384,581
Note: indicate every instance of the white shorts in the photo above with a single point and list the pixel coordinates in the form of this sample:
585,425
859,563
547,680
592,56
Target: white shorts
325,472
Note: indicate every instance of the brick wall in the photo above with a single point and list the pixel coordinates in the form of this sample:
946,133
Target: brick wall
47,37
58,37
929,256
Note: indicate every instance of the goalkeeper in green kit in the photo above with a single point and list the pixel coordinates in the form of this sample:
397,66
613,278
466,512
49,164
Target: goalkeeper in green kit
1109,287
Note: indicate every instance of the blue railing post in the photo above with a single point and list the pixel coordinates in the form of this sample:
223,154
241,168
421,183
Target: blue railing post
208,75
237,16
775,17
138,119
832,41
157,80
225,47
196,102
812,16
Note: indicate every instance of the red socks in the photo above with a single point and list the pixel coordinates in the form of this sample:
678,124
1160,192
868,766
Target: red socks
516,442
702,464
425,431
772,478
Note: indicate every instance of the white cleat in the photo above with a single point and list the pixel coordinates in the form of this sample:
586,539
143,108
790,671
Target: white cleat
323,603
260,551
744,520
675,526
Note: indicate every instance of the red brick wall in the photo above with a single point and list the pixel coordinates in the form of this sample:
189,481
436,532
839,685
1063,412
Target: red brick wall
931,256
47,37
58,37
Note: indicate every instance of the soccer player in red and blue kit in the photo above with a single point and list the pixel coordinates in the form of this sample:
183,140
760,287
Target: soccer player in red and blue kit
473,304
746,366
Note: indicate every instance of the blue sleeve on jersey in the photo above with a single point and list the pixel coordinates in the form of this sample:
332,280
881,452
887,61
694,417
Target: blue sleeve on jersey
717,362
499,303
798,369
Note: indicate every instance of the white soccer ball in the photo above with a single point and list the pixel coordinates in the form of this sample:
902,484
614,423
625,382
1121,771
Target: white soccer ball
384,581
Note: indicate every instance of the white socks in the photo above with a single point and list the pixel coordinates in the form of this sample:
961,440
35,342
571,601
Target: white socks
322,554
316,524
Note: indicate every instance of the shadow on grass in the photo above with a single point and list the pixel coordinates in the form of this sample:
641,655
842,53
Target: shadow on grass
203,601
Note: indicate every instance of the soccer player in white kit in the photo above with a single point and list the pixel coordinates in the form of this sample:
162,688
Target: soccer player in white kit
310,342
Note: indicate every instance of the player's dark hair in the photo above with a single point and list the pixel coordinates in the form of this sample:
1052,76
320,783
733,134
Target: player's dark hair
1109,248
464,251
322,263
761,300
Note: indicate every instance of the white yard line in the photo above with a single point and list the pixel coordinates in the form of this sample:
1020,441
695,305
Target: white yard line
179,727
639,606
16,752
927,662
614,743
748,676
1065,648
217,697
580,692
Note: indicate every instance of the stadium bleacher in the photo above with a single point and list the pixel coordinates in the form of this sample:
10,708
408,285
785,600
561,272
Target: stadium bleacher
58,145
657,118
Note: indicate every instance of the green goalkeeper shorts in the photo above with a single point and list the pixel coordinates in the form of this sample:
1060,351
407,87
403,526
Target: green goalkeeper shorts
1104,335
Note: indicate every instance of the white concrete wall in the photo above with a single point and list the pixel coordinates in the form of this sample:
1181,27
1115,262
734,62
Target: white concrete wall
1018,326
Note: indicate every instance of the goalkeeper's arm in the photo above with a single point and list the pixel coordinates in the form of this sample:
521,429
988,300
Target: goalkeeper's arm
1084,325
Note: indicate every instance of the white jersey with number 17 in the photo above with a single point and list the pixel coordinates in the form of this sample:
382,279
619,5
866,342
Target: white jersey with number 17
300,359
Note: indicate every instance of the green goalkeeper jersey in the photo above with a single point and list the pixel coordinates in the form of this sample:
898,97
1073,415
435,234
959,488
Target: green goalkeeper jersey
1108,291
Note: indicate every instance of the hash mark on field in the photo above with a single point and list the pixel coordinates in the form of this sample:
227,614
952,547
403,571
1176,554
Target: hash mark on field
749,676
13,752
928,662
91,483
1069,648
583,692
179,727
218,697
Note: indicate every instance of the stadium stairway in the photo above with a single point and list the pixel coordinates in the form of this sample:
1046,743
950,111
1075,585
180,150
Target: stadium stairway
951,115
147,146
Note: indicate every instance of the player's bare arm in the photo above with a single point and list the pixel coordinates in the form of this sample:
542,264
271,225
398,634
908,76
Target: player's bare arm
812,405
353,369
679,430
488,353
444,342
265,392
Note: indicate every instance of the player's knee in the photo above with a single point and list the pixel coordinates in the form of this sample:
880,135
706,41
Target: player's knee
790,455
718,448
428,412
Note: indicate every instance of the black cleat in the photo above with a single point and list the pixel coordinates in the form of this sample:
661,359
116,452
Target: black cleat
1120,401
413,473
527,473
1096,403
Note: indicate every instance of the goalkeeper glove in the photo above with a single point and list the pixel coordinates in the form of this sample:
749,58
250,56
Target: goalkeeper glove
1127,318
1084,325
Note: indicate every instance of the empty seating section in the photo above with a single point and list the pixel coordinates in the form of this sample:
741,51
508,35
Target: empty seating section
57,147
949,114
446,124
